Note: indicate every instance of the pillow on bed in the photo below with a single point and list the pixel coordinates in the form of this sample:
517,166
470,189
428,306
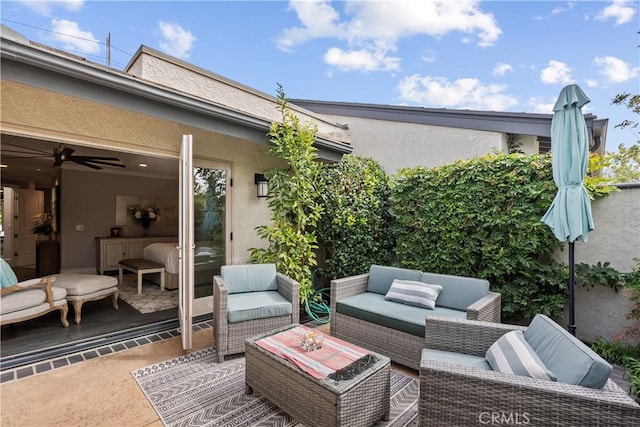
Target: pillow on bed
415,293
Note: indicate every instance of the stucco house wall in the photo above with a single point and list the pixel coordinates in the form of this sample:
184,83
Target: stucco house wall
397,145
601,312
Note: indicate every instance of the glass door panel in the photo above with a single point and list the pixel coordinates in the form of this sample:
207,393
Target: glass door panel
210,190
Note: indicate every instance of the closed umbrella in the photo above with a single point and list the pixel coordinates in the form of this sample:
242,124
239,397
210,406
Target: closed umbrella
569,215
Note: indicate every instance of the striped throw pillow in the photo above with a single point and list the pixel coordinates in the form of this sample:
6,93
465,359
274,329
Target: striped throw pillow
512,354
411,292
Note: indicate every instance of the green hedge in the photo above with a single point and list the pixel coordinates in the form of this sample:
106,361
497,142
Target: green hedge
482,218
355,230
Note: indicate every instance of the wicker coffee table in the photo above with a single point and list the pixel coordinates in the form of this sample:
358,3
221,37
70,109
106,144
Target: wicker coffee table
359,401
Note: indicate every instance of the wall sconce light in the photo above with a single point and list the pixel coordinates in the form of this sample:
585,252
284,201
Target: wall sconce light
262,184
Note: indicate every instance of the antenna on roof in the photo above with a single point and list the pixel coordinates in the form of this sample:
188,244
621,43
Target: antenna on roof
108,49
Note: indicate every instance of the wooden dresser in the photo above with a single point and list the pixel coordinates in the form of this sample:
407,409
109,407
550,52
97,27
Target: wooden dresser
110,250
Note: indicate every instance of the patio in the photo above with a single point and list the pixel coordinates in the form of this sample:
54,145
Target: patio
100,390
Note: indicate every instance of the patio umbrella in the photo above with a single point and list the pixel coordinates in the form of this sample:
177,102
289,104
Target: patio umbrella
569,215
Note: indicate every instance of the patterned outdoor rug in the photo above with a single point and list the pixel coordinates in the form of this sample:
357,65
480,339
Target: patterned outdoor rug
196,390
150,300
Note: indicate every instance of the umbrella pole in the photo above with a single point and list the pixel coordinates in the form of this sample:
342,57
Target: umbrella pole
572,320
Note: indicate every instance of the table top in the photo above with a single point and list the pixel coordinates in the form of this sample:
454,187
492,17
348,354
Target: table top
338,380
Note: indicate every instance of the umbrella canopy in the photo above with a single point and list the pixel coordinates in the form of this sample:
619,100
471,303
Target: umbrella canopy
569,215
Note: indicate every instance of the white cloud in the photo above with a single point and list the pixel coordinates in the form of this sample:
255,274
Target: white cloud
556,72
592,83
362,60
541,106
501,69
619,10
430,56
561,9
615,70
466,93
73,38
176,40
377,26
318,20
45,8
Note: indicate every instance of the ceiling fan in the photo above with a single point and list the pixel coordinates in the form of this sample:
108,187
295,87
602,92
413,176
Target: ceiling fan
62,154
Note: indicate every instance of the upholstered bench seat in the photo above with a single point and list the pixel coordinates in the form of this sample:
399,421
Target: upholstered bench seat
87,287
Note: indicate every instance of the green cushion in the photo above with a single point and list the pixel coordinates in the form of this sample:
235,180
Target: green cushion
511,354
373,308
7,276
455,358
257,305
565,355
249,278
458,292
381,277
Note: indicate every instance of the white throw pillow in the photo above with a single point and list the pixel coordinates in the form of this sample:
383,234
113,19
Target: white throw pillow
512,354
411,292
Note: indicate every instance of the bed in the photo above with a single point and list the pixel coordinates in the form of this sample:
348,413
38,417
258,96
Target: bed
207,262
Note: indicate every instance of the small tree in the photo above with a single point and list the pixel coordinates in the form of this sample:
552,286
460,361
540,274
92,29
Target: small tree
293,200
624,165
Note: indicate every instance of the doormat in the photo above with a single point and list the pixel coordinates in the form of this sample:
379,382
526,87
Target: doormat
151,299
196,390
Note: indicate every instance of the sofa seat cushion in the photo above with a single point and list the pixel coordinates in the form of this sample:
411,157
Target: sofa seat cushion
241,278
381,277
84,284
457,292
257,305
511,354
455,358
28,298
32,311
565,355
372,307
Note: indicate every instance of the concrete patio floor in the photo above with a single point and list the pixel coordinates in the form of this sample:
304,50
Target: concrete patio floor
102,392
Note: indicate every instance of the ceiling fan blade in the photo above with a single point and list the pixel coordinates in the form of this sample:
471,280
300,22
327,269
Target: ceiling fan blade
23,157
91,158
100,162
31,150
84,163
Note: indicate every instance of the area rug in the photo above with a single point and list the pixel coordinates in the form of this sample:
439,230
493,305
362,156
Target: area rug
196,390
151,299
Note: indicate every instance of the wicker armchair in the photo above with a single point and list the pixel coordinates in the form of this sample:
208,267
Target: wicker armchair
456,395
243,298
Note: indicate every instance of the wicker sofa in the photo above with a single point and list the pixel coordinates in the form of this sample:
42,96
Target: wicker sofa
360,313
459,388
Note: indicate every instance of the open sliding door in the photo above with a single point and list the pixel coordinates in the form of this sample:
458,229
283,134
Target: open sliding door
186,242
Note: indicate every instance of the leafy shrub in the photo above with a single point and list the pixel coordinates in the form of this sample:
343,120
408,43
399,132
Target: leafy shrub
482,218
355,231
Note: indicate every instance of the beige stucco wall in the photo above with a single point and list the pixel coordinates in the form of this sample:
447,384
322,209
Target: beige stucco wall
397,144
190,79
37,113
600,312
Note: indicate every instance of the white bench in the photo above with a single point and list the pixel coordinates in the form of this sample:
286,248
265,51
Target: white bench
141,266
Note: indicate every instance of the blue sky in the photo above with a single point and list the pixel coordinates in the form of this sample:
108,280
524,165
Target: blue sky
494,55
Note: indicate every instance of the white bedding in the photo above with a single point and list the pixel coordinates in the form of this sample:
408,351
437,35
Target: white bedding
163,253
